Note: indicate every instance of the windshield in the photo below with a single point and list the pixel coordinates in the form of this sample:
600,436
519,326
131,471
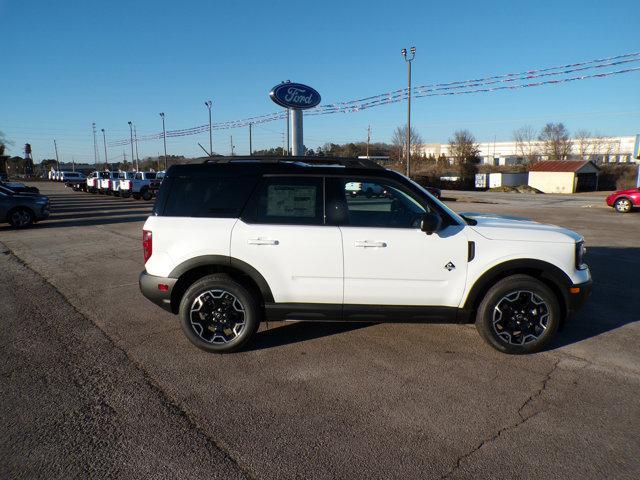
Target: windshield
460,219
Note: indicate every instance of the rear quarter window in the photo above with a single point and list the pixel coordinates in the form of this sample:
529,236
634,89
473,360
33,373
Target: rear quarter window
217,197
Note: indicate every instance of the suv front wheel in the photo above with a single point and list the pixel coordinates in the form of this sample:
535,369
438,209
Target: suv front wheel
518,315
218,314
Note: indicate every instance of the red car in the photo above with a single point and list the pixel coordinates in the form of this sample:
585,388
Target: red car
624,200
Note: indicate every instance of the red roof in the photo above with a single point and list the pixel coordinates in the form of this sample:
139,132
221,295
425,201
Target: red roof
559,166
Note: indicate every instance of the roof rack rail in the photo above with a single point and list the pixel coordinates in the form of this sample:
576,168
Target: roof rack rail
300,160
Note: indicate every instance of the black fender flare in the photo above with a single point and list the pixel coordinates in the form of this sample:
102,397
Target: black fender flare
539,268
225,261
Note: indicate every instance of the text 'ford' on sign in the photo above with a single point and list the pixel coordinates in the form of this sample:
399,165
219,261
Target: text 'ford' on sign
294,95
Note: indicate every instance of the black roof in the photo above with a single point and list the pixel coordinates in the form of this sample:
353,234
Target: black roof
299,165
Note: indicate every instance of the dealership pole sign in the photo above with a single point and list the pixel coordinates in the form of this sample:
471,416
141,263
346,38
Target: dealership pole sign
296,97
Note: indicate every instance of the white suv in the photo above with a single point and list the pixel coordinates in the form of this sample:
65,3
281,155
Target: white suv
234,241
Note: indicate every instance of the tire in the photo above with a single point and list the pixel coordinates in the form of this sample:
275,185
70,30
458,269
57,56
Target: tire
136,196
623,205
236,302
146,194
518,315
20,218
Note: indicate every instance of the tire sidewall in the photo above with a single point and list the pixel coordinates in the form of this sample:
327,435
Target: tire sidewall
617,205
23,210
221,282
484,317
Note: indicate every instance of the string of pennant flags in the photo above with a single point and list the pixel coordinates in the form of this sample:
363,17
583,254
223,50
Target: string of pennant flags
495,83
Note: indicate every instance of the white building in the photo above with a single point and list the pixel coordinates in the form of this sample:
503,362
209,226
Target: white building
597,149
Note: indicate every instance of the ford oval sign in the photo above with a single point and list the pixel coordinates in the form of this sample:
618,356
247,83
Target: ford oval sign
294,95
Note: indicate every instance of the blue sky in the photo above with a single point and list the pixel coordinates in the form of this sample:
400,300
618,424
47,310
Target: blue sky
69,63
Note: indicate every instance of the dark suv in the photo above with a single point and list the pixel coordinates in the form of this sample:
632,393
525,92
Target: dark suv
21,210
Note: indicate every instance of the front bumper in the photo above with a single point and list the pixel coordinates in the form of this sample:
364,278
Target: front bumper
578,294
44,212
157,289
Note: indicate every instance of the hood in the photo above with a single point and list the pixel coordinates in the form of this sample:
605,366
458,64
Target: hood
628,192
503,227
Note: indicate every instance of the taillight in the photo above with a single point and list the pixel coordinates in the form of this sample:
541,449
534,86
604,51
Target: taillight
147,244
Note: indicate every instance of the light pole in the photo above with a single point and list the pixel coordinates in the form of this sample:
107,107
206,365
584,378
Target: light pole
164,139
208,104
104,139
250,140
408,60
135,137
95,145
55,146
131,139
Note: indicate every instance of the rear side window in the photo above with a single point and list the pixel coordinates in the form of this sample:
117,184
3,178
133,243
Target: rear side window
288,200
151,175
221,197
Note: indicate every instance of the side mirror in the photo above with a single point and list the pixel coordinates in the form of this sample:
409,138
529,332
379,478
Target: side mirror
430,223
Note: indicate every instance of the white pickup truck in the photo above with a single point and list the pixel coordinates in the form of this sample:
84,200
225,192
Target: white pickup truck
93,181
104,185
114,185
142,185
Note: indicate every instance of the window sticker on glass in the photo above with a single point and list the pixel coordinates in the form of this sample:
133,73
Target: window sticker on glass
291,201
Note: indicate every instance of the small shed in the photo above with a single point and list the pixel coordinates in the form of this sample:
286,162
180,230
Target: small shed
564,176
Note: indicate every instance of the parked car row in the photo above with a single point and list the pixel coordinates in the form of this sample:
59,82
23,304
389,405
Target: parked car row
123,184
64,176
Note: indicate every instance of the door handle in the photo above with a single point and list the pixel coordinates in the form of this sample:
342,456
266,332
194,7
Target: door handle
369,243
262,241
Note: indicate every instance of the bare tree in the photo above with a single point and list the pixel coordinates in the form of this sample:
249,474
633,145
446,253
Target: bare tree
583,142
464,150
399,140
602,145
3,143
526,145
556,142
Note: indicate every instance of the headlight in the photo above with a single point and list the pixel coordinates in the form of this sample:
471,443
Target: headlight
581,250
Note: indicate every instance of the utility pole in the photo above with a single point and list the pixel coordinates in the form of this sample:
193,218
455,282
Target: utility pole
408,60
73,163
250,142
135,137
131,140
231,139
368,139
55,146
208,104
104,139
164,139
96,155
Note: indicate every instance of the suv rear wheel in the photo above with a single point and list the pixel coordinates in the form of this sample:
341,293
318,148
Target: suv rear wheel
20,218
518,315
218,314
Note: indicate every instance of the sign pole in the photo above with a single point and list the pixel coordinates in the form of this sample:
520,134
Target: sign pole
296,132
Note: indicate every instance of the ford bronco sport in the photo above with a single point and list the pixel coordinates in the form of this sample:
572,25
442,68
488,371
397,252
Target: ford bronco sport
237,240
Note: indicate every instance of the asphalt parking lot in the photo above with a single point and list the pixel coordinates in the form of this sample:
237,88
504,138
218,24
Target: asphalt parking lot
98,382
